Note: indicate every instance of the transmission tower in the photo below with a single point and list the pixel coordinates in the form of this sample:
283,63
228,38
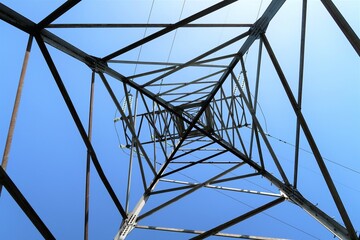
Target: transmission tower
192,135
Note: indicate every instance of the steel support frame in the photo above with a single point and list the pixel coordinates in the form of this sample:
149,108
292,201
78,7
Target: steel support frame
78,122
26,25
297,110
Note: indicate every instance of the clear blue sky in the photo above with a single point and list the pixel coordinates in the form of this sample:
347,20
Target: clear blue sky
47,160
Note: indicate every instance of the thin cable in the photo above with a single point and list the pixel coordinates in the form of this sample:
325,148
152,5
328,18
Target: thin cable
148,20
310,152
246,55
257,16
172,43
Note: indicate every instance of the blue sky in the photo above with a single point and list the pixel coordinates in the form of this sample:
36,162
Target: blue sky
47,160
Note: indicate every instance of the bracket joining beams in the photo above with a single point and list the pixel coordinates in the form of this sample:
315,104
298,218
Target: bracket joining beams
262,23
16,19
24,205
170,28
327,177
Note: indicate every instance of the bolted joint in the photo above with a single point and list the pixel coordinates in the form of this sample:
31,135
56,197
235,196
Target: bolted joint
96,64
127,226
259,27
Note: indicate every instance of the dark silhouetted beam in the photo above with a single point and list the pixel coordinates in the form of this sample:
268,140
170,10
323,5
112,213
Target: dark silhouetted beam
170,28
78,123
24,205
326,175
343,24
146,25
236,220
57,13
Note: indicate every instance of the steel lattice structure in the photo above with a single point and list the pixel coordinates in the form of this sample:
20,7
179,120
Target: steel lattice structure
181,120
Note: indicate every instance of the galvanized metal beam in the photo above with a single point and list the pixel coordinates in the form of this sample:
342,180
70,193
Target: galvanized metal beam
216,187
219,234
238,219
12,124
195,188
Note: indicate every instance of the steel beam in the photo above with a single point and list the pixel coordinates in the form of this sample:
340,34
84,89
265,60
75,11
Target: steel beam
12,124
78,123
66,6
166,30
312,143
196,59
25,206
17,20
343,24
193,163
172,64
131,127
292,194
238,219
88,159
253,130
257,125
195,188
26,25
219,234
147,25
300,87
190,185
